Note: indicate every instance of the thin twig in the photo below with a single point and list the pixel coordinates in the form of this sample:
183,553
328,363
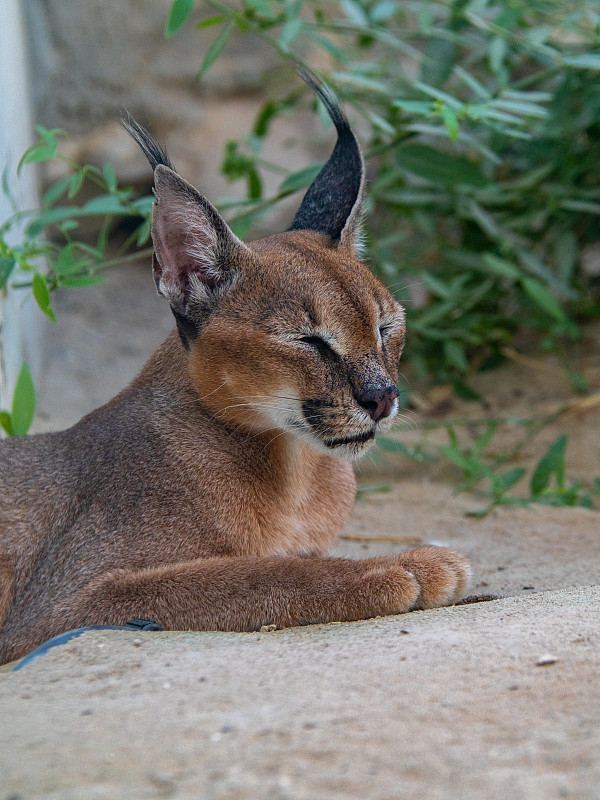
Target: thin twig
357,537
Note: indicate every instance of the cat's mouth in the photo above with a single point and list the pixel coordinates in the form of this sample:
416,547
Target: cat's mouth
359,438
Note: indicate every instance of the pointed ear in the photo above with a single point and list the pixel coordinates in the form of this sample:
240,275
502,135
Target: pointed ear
196,253
333,204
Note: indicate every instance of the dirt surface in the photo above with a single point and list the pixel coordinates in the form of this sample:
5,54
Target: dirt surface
490,700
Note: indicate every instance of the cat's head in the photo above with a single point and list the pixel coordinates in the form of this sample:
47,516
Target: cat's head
291,333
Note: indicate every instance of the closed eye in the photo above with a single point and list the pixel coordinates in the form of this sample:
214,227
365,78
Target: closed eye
319,344
390,326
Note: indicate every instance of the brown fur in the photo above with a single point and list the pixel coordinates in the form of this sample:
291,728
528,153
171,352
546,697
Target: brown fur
207,493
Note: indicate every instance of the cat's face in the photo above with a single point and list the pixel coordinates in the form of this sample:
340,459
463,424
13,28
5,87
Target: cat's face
305,342
291,334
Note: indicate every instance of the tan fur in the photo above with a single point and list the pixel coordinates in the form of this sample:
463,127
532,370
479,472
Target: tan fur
178,500
207,493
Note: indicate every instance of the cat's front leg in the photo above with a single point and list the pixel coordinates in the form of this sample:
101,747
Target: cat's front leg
245,593
242,594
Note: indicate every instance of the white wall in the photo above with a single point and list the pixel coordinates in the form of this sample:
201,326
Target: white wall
19,318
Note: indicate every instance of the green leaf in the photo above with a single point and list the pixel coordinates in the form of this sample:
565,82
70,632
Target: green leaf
580,205
110,177
143,233
105,204
330,47
379,122
497,52
42,150
6,422
39,152
393,446
508,479
451,123
460,459
290,30
42,295
354,12
67,261
543,298
241,227
7,264
455,355
262,8
384,10
443,97
216,48
68,225
551,463
501,266
465,391
415,106
23,404
56,189
436,286
75,184
50,217
299,180
263,120
438,167
361,82
566,253
254,185
584,61
439,56
143,205
207,23
180,11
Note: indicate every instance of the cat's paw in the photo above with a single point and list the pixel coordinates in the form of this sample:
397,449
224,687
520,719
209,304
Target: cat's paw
442,575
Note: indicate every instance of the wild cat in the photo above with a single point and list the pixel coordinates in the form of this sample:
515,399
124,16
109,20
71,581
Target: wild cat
207,493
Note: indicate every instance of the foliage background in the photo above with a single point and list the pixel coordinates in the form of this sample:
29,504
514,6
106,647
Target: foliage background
481,124
480,121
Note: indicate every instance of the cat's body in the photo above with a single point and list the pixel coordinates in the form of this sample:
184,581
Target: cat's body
206,494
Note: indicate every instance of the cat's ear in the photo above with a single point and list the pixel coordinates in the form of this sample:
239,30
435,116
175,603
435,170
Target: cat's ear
333,204
196,254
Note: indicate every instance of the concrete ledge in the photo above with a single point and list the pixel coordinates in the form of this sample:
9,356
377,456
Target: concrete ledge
463,702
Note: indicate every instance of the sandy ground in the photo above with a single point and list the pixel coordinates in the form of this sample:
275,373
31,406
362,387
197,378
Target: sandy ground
453,703
489,700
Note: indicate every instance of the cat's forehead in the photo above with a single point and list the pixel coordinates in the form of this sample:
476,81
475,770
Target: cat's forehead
306,278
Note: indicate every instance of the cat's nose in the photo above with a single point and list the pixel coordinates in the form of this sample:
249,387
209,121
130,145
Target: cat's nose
378,402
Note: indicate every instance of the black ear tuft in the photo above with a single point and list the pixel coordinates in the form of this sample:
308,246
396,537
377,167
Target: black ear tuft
154,152
333,203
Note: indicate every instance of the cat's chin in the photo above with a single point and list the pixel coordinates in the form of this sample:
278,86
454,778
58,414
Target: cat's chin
345,448
351,451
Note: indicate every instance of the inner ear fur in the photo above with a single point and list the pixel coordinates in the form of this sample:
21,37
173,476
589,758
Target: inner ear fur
196,253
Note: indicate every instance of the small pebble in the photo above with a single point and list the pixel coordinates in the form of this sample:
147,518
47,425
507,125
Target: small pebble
546,660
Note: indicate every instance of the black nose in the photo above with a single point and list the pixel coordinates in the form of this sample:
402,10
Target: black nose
378,402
